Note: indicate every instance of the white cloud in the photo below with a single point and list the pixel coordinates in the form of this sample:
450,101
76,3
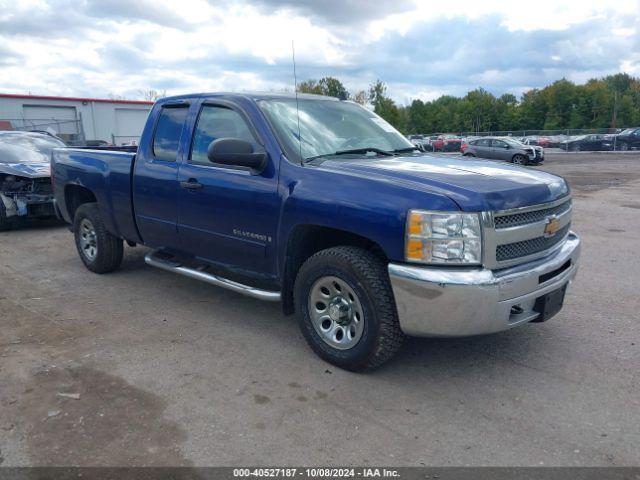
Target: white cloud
422,49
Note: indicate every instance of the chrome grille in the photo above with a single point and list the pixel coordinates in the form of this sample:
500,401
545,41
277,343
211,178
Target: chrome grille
525,248
517,219
511,237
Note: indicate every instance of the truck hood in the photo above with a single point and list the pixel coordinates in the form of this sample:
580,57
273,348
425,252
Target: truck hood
475,185
29,170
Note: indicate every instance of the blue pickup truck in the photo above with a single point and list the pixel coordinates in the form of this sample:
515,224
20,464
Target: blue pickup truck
321,204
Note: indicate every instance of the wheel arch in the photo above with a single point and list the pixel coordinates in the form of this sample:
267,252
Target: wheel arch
306,240
76,195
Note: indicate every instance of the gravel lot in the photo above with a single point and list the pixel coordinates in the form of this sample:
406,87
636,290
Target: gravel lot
174,372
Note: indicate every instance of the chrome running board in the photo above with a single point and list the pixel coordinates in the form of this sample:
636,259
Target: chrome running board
174,266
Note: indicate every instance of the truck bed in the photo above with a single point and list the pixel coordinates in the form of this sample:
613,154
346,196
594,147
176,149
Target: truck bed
105,173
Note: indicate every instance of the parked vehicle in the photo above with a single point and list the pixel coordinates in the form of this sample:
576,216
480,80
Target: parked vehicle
628,139
97,143
321,204
421,142
465,143
537,140
555,141
25,185
506,149
447,143
590,143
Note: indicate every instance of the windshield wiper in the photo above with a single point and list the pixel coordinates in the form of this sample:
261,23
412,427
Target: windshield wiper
379,151
405,150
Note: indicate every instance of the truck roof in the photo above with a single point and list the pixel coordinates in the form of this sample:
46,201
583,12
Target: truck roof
251,95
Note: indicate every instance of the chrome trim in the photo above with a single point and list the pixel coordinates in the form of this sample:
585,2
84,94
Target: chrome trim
449,302
176,267
530,230
494,237
540,206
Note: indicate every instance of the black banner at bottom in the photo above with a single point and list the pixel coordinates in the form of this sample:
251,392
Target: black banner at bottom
405,473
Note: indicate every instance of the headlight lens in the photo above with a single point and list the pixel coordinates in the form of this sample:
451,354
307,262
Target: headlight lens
443,238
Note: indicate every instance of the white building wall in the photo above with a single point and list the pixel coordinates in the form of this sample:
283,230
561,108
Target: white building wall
108,121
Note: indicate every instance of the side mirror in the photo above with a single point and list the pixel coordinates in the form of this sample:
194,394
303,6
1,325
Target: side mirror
236,153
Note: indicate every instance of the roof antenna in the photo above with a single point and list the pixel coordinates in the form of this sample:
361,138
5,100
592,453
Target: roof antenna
295,89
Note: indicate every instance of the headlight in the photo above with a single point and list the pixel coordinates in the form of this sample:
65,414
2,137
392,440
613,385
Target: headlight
443,238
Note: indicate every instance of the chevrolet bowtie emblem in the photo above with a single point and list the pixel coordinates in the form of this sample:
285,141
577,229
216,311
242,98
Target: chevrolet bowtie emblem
552,226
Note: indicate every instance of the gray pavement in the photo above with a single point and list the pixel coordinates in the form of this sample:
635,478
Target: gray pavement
171,371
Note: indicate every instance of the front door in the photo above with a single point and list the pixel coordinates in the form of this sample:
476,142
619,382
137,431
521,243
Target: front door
500,150
227,216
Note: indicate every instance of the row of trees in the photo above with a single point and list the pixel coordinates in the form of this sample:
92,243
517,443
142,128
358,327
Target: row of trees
609,102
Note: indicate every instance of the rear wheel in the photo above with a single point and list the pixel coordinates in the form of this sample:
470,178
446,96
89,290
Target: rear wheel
519,160
5,224
346,309
99,250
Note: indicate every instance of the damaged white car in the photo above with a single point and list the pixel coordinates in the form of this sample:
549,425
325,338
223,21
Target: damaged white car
25,183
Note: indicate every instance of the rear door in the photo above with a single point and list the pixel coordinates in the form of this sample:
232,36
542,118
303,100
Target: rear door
231,218
482,147
155,181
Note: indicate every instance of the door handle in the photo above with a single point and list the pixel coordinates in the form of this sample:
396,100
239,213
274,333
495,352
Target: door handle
192,184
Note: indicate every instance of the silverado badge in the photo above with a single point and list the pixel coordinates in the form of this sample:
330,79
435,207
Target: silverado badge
552,226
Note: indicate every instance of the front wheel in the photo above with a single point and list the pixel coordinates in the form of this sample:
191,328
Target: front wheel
623,146
99,250
519,160
346,309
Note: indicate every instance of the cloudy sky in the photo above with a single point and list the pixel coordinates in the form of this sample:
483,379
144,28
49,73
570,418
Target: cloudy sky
421,49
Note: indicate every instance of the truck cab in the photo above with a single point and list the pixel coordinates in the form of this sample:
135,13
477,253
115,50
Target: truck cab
321,204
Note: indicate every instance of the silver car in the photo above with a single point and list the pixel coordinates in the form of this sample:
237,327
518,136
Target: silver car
505,149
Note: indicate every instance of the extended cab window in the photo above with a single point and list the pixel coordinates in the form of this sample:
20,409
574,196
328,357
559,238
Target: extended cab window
217,122
168,131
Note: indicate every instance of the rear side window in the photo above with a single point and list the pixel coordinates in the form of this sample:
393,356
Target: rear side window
217,122
166,140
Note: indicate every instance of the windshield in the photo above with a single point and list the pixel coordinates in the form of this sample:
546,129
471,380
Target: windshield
513,142
22,148
627,131
329,126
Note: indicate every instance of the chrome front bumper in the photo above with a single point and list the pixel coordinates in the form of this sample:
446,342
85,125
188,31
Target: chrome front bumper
453,302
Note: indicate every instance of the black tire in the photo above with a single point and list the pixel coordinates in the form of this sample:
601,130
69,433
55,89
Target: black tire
108,248
367,276
623,146
575,148
469,155
5,224
519,159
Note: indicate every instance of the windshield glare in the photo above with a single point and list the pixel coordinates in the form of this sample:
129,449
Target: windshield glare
328,126
513,142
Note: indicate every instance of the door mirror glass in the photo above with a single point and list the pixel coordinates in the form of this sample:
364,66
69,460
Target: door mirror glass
235,152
